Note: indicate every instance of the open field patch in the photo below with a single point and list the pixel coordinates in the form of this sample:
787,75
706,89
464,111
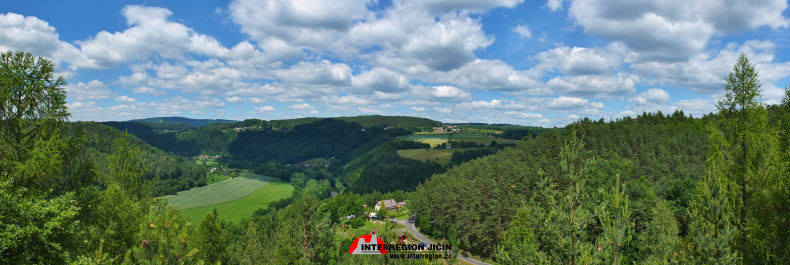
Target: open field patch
441,156
433,139
220,192
243,207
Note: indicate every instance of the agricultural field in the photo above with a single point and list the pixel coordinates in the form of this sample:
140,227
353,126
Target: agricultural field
218,192
441,156
235,210
433,139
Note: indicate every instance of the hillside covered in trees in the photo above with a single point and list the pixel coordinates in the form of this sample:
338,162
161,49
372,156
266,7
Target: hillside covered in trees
653,189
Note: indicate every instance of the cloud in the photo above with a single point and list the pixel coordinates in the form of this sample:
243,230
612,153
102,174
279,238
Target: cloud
124,99
323,72
256,100
440,93
414,41
148,90
233,99
579,60
597,105
442,110
554,5
418,109
285,28
493,104
594,86
705,73
567,103
442,6
651,96
380,79
525,115
92,90
523,31
671,31
493,75
18,32
263,109
344,100
303,106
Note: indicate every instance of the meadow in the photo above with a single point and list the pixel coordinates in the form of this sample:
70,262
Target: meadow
441,156
243,207
433,139
220,192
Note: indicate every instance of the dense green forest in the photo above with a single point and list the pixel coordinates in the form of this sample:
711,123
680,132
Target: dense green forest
168,173
654,189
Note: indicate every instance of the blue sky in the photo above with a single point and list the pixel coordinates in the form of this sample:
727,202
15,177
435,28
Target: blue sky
541,63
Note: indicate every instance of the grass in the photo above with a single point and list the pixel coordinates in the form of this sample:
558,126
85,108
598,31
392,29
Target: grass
214,178
433,139
441,156
235,210
218,192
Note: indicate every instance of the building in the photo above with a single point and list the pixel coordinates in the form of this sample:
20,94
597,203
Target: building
401,204
388,204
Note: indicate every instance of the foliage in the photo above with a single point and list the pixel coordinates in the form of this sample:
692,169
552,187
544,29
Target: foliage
660,240
34,228
210,240
32,109
163,239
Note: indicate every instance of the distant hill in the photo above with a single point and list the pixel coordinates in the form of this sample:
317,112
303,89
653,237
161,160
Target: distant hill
182,120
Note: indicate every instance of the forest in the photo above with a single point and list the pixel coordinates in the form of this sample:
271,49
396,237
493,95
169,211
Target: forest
652,189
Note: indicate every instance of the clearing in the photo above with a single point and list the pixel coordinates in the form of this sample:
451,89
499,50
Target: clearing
441,156
234,199
433,139
235,210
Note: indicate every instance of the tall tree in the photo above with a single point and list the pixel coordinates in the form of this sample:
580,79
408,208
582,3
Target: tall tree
32,110
749,148
36,224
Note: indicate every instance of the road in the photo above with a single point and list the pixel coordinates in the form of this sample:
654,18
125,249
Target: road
409,224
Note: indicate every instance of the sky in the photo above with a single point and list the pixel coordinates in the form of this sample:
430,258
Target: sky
538,63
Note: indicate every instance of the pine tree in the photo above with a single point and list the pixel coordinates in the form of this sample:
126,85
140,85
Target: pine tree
711,230
564,215
617,224
660,238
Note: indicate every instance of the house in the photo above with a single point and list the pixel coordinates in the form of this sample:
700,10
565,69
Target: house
401,204
401,237
388,204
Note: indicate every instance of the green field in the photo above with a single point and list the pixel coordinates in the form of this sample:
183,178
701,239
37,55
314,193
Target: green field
244,207
218,192
441,156
214,178
433,139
